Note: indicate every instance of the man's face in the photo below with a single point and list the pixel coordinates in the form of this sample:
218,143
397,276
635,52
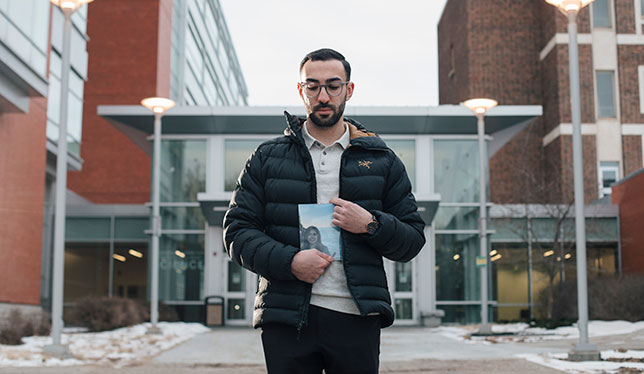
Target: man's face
325,110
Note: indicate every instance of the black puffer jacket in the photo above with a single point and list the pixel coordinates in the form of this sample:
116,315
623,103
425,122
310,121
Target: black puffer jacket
261,226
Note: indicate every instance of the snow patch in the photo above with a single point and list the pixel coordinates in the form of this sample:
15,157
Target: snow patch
118,347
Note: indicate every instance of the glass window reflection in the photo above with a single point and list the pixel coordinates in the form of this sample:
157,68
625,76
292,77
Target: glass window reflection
510,282
86,270
461,314
605,94
183,169
131,271
182,218
236,282
406,151
403,276
181,264
237,152
457,218
601,13
456,170
404,309
457,277
131,228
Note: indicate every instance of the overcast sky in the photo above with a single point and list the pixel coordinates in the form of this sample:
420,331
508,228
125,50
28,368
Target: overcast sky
392,46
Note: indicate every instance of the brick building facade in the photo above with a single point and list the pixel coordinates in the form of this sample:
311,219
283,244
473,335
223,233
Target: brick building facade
121,52
517,53
125,65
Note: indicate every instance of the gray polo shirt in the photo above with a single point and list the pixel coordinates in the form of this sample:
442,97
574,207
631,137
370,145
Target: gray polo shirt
330,291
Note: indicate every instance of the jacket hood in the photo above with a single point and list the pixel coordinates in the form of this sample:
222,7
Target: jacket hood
358,134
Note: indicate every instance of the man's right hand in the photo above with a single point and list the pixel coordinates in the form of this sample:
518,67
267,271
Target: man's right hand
309,264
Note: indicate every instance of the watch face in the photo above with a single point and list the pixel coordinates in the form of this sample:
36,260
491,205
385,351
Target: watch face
372,227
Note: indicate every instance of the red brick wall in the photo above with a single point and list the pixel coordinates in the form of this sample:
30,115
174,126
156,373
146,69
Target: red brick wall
556,86
632,150
516,170
628,195
550,91
586,80
504,40
453,55
559,169
591,181
497,47
129,59
553,171
624,16
548,17
630,57
22,198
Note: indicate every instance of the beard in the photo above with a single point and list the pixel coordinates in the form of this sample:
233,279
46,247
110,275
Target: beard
329,120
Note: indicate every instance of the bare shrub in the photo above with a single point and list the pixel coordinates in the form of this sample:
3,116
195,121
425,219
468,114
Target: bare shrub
106,313
620,297
19,325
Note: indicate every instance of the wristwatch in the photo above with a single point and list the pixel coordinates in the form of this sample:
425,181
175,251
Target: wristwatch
373,226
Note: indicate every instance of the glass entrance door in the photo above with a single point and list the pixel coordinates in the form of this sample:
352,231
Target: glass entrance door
402,287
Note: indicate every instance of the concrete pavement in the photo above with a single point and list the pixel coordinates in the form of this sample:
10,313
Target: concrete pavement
403,350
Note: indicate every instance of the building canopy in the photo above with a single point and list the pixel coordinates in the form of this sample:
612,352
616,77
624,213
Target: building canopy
137,123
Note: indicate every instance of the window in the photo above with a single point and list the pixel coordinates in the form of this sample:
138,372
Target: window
608,172
74,105
601,14
181,264
406,151
605,94
642,7
183,170
456,170
237,152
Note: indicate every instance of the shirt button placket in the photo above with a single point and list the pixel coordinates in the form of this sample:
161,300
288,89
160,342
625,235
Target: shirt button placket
323,159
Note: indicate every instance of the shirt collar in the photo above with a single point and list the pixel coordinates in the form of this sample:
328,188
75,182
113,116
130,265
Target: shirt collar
310,141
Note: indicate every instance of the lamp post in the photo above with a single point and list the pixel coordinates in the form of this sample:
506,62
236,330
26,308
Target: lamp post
584,350
68,8
480,107
159,106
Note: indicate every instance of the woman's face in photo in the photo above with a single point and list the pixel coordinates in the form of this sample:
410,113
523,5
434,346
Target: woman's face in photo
312,237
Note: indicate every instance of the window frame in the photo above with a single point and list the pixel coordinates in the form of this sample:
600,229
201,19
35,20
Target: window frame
605,166
613,94
611,12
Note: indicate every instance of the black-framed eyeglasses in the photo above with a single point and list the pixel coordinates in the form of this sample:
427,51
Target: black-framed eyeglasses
333,89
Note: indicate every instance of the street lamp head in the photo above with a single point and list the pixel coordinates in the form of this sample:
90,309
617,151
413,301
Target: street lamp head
72,5
158,105
480,105
569,5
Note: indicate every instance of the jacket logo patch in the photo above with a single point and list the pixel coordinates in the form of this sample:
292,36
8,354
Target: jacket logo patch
366,164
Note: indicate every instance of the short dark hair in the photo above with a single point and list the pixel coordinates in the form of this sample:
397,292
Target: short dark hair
326,54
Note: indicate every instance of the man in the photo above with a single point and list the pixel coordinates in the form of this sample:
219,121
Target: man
316,313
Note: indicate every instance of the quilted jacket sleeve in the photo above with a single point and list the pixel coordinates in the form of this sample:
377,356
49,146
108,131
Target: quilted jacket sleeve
400,236
245,240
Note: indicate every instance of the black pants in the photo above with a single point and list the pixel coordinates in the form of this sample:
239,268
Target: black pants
331,341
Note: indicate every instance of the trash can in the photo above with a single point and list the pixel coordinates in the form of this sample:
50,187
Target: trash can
214,311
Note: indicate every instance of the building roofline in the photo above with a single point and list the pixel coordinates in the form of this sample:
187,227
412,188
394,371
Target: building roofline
406,120
628,177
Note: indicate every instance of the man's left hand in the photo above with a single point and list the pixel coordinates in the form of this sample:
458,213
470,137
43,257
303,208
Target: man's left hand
350,216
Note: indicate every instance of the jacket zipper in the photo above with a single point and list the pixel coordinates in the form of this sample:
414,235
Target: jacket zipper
344,261
307,296
305,308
